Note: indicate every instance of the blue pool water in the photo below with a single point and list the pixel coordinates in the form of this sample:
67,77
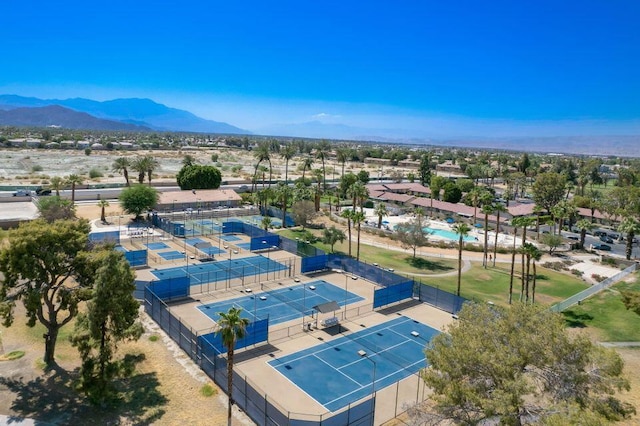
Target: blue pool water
450,235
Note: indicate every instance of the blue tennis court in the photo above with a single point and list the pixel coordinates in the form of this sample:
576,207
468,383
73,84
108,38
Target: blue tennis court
335,374
157,246
282,304
171,255
220,270
211,250
230,238
120,248
244,246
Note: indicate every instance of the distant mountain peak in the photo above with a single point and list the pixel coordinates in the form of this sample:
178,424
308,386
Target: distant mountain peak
145,111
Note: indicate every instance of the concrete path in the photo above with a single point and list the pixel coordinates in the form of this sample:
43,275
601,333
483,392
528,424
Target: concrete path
620,344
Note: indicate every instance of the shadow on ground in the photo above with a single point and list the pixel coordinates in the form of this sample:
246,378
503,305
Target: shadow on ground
576,319
53,398
426,264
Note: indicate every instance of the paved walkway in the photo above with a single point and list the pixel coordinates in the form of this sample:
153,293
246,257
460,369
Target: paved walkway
620,344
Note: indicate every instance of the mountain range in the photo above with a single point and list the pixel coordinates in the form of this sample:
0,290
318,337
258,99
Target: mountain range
132,114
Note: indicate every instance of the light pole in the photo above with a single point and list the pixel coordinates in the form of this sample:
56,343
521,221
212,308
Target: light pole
363,354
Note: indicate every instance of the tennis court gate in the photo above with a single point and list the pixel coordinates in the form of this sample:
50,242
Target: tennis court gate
260,407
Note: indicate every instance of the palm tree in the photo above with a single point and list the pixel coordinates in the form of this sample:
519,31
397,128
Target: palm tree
140,166
57,184
266,223
381,211
487,209
525,222
584,225
631,227
121,165
288,152
232,328
282,194
306,164
474,196
499,208
74,180
535,255
515,222
103,204
261,154
342,155
358,218
462,229
152,164
348,214
359,192
322,151
318,175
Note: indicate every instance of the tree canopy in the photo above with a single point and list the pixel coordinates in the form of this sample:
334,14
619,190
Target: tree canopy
55,208
196,176
548,189
43,266
138,198
518,363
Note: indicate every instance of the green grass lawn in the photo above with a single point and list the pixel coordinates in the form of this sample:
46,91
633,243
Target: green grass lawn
605,316
401,262
492,284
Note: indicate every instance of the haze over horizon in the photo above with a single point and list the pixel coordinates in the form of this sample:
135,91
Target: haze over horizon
423,69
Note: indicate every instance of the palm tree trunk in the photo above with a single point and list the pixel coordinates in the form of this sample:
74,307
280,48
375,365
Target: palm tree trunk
524,237
495,243
527,280
358,244
125,172
629,247
459,264
349,231
486,240
229,384
533,292
513,263
286,172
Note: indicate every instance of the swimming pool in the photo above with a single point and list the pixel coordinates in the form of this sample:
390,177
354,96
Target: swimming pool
443,233
450,235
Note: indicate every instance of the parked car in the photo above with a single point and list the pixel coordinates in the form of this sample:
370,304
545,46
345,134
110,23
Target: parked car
42,192
602,247
606,239
22,193
573,237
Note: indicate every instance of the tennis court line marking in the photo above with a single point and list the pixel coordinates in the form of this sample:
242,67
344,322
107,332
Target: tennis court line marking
314,355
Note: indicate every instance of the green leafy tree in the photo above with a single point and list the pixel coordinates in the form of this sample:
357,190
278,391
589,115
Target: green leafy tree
41,265
424,170
303,212
110,318
137,199
462,229
500,365
232,328
332,236
197,176
548,190
552,242
412,234
452,193
631,300
55,208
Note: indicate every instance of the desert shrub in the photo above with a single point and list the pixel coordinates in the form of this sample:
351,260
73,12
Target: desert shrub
95,173
598,278
36,168
577,272
609,261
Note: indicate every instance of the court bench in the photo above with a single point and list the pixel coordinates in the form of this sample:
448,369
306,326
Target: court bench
330,322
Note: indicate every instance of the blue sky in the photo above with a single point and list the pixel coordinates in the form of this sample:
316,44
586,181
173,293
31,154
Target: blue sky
435,67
